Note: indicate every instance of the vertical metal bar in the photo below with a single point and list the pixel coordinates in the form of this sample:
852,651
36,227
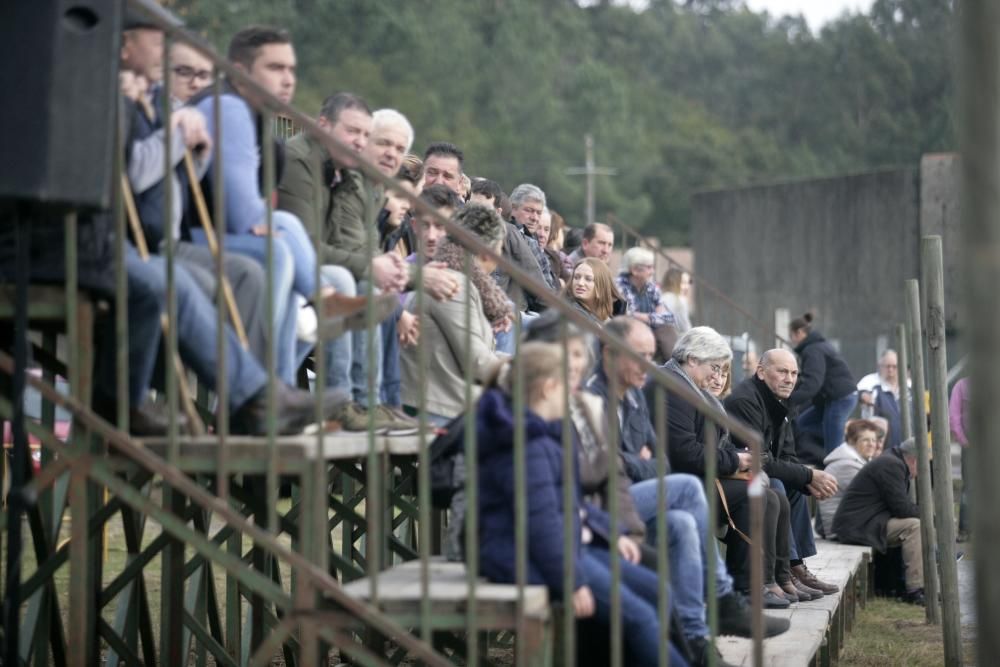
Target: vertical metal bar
924,493
20,459
569,509
266,514
315,478
614,390
234,543
80,611
219,219
520,493
903,370
374,500
172,595
932,270
121,286
756,498
979,127
711,496
471,485
662,542
267,156
423,457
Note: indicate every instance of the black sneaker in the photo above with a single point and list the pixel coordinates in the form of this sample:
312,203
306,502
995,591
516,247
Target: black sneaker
700,648
735,618
914,597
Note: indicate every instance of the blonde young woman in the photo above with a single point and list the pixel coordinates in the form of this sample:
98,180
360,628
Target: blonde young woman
591,289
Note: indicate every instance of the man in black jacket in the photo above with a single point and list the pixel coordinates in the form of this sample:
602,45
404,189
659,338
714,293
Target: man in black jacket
761,402
877,511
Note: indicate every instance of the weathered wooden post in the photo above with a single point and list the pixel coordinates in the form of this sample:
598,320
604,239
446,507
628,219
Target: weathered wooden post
932,268
905,407
924,496
903,359
979,127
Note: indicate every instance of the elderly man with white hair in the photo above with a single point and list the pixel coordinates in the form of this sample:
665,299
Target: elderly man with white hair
391,138
635,283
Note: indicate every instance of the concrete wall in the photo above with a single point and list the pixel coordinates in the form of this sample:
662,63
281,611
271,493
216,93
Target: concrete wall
940,214
839,247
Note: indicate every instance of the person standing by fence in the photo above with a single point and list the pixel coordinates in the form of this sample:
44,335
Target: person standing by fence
826,393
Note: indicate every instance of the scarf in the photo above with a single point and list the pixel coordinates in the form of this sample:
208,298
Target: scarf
496,306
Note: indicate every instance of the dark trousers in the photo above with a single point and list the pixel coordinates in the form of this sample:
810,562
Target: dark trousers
776,534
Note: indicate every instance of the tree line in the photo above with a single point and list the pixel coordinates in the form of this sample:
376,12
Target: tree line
680,97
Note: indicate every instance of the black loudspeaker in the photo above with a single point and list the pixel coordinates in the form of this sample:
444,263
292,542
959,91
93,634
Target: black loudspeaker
59,108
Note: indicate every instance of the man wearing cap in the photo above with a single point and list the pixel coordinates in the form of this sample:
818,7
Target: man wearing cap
877,511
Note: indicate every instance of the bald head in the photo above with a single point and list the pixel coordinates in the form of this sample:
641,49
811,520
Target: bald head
779,370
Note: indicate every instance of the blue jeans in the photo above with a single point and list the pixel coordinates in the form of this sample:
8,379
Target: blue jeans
801,543
347,356
390,360
285,274
196,332
505,341
641,630
687,525
828,422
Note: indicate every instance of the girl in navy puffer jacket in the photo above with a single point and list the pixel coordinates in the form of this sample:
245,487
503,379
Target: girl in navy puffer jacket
591,595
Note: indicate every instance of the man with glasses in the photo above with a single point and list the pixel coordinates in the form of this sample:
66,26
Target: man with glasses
191,72
762,402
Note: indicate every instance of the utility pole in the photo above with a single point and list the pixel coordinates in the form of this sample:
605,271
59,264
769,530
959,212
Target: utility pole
590,170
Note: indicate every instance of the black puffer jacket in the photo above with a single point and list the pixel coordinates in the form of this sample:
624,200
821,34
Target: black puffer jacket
879,492
824,374
753,402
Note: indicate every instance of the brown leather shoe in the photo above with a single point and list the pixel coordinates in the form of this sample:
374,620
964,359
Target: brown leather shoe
806,592
802,573
790,592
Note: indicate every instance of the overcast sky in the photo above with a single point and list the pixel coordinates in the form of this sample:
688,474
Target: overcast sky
817,12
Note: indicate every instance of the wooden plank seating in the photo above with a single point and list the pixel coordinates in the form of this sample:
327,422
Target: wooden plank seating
819,626
399,596
249,454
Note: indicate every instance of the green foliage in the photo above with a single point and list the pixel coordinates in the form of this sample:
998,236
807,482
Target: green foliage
681,96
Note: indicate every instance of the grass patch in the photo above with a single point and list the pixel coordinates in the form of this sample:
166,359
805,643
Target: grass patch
887,632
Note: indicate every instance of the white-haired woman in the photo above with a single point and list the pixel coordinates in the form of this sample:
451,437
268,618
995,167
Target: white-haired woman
700,355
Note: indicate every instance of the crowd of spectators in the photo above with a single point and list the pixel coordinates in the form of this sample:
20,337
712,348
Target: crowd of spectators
341,250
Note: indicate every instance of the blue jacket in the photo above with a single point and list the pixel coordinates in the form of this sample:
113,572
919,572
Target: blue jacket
635,430
544,475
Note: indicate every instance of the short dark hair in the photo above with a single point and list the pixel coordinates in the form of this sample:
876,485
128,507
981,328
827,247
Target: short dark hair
590,231
440,196
334,104
447,149
245,45
572,240
487,188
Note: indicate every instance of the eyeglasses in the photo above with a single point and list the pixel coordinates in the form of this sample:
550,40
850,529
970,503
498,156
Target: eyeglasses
717,369
191,74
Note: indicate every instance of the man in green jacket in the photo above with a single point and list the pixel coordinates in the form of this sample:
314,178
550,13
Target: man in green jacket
337,203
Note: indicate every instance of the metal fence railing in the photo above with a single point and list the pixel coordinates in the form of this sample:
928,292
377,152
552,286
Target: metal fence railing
218,497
